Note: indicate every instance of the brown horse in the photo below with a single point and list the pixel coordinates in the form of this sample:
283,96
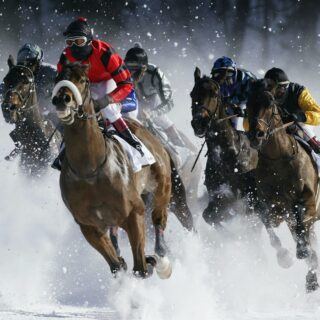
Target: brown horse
288,179
229,174
97,182
34,137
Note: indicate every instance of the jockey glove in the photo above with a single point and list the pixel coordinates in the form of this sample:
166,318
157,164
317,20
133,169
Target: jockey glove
237,110
297,117
101,103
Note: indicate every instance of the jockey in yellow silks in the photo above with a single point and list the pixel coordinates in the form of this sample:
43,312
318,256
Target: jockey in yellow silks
296,102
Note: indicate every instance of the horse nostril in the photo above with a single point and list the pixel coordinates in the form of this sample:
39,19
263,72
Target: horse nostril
260,134
55,100
66,98
12,107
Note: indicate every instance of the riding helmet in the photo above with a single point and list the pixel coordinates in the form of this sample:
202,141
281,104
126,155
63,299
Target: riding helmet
224,63
30,53
277,75
80,28
136,56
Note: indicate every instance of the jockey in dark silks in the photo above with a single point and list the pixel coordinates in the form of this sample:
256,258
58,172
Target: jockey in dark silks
235,86
31,56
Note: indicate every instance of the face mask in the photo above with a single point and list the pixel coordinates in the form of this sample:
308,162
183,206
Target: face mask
81,53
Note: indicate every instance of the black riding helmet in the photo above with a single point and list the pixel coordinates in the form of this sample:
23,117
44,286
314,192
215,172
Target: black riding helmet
137,61
279,82
136,57
79,30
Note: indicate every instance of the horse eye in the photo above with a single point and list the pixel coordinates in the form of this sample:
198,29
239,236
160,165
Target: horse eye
82,81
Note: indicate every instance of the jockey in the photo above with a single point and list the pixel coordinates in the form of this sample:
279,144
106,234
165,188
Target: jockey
31,56
297,103
104,64
153,91
234,87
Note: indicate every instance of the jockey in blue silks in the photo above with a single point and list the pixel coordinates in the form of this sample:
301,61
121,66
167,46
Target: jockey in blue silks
235,85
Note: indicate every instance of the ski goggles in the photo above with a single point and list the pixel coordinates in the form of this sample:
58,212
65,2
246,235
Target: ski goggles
221,73
78,41
281,88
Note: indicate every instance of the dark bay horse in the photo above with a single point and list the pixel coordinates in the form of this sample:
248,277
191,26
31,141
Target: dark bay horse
31,134
231,161
288,179
97,182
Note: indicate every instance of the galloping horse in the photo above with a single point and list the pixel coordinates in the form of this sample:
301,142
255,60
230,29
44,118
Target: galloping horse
31,134
97,182
230,164
288,179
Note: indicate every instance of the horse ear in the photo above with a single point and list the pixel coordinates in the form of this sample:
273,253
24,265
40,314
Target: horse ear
85,68
11,61
197,74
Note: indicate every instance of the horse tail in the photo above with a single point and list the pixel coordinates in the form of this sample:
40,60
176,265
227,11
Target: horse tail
178,203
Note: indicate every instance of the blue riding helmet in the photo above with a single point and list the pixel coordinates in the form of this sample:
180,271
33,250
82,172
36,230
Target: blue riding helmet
224,63
30,53
224,71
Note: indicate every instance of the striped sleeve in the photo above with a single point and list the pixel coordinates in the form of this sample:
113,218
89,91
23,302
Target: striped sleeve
62,62
119,73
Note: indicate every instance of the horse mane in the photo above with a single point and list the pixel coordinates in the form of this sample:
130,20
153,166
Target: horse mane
260,94
72,70
205,83
18,73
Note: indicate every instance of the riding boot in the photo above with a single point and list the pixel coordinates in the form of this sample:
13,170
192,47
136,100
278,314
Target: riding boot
174,136
126,134
314,143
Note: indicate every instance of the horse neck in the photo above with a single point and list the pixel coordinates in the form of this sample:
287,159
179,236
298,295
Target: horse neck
227,135
279,145
32,116
86,147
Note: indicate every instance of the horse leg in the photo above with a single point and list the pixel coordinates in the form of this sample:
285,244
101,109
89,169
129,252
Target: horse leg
135,228
311,277
283,255
179,204
102,244
300,233
113,233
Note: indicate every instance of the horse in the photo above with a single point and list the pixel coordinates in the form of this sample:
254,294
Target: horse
288,179
229,173
35,138
98,185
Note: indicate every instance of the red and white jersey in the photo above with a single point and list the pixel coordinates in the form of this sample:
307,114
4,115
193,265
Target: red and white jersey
104,64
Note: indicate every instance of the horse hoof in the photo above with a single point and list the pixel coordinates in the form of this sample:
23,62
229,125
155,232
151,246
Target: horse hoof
163,267
311,282
121,267
284,258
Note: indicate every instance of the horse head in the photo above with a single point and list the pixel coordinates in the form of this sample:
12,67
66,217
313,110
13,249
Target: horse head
19,92
70,92
263,114
205,97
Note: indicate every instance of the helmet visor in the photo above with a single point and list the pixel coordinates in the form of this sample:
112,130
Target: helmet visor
222,75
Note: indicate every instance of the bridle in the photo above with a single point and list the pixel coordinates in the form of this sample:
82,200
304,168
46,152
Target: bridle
24,100
271,124
213,116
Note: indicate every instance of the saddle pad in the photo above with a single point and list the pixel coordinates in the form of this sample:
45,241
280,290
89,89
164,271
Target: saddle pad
134,156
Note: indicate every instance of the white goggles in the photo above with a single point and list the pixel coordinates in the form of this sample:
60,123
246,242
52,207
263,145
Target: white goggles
78,41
